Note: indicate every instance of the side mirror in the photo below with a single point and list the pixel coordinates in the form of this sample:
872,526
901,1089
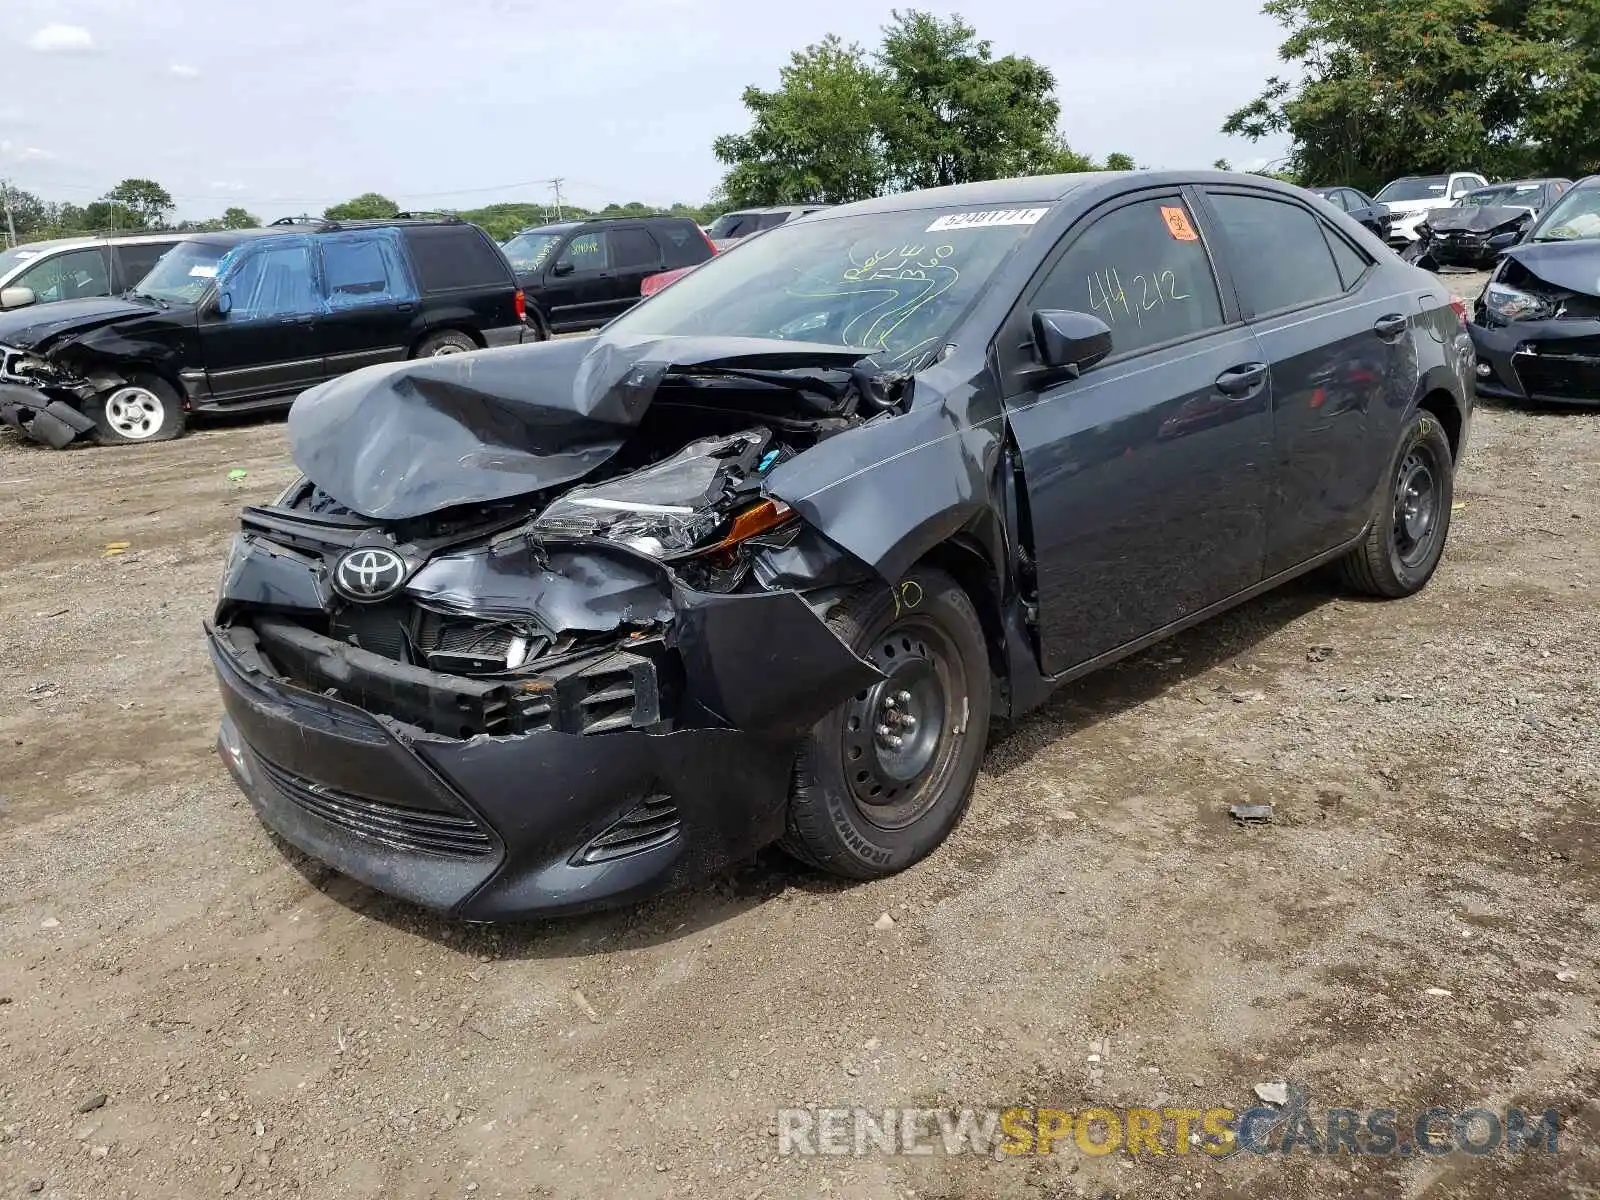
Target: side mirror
17,297
1069,342
223,304
564,267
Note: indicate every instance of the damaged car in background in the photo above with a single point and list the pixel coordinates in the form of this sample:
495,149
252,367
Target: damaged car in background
1536,326
1476,228
562,626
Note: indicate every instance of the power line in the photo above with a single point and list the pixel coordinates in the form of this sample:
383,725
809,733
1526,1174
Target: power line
242,198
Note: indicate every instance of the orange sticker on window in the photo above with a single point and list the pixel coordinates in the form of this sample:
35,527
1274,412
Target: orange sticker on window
1178,224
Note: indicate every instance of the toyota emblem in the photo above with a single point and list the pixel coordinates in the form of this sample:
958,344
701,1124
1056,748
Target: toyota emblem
369,573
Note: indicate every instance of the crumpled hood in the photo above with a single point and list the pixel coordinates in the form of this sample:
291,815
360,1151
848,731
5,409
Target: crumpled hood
1475,220
1573,265
407,439
32,327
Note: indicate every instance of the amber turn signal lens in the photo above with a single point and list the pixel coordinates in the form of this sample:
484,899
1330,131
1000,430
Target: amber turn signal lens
758,518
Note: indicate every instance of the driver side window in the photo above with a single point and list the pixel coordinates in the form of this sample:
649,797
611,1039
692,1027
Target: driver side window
273,281
1141,269
586,252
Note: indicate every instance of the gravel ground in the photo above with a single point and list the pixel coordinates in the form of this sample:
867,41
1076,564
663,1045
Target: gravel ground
188,1008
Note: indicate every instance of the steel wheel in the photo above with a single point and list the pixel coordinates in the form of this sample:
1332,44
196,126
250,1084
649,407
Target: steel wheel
1416,506
444,348
135,413
899,737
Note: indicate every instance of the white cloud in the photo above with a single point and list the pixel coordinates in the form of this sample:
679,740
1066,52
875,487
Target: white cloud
227,187
62,39
14,152
184,72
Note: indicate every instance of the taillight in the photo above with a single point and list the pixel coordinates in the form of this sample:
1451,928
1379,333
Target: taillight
710,245
521,302
1460,305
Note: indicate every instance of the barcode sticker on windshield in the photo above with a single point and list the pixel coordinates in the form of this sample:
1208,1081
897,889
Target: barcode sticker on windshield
993,216
203,271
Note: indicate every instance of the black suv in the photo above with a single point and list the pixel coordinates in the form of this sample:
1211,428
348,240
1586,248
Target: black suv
580,274
250,318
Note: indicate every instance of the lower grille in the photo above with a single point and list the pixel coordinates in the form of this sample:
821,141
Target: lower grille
419,830
653,823
1575,377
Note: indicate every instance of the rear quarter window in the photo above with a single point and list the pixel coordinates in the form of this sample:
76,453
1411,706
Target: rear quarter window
450,257
683,244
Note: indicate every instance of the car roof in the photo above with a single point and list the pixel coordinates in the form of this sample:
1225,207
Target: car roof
1037,189
100,239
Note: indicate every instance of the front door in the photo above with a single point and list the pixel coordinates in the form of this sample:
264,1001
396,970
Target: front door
370,300
579,288
1338,341
1146,477
267,344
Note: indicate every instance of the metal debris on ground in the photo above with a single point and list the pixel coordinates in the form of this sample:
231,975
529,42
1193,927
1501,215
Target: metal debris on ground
1251,813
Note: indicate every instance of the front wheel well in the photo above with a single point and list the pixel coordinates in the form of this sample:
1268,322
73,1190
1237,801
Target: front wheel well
964,562
1443,405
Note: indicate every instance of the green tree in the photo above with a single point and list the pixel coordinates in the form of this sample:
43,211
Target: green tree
1118,161
818,137
103,216
369,206
1507,87
145,201
238,218
28,213
953,113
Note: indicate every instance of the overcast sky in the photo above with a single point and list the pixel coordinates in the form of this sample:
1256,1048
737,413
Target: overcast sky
287,106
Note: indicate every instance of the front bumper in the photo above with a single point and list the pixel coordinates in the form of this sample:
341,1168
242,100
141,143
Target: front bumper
1470,251
494,828
1403,228
1552,362
53,422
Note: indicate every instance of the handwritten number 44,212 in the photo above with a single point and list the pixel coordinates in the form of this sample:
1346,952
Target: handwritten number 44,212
1151,290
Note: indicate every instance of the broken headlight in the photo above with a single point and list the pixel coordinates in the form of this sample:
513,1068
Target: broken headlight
1512,304
681,505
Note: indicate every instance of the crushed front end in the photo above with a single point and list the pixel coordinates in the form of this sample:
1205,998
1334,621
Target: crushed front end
1536,327
544,703
42,400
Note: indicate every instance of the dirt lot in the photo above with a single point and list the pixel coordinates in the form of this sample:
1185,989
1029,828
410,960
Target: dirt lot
255,1025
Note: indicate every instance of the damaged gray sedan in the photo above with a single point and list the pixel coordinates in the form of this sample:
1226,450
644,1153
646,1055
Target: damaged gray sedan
558,627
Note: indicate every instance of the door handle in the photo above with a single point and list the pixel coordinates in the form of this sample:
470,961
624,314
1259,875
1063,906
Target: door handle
406,307
1390,326
1242,380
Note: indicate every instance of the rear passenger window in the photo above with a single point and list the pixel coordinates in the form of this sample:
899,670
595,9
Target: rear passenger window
1278,254
633,248
1351,263
1141,269
362,269
459,256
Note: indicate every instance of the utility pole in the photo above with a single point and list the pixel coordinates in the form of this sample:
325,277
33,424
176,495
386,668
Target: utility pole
11,224
556,185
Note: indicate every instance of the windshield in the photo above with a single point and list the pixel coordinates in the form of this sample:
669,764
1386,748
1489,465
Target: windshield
892,285
1402,190
528,251
182,274
1575,215
734,224
11,259
1521,195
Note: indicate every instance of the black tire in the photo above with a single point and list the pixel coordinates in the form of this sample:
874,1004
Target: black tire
1412,518
538,325
144,408
926,636
450,341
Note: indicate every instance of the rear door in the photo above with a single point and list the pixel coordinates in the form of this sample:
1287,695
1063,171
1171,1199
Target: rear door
579,288
635,254
267,344
1146,477
1338,338
131,262
370,299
